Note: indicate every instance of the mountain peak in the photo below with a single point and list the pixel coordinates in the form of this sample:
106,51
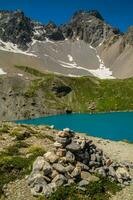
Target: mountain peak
83,13
20,30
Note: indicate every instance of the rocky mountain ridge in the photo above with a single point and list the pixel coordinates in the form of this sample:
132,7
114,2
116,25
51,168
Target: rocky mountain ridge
20,30
85,46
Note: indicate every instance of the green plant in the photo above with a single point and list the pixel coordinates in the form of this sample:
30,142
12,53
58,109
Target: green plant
65,193
100,190
4,128
12,150
35,150
20,134
21,144
43,136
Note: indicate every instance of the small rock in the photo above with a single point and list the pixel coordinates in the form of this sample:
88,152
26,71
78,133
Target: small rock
70,181
102,172
52,126
126,183
93,157
65,133
47,179
76,172
83,144
61,152
93,164
70,157
58,145
98,158
33,177
54,174
67,130
47,191
47,169
53,186
88,177
51,157
59,180
111,171
69,168
122,173
38,188
83,183
82,166
74,147
59,167
38,164
63,140
81,188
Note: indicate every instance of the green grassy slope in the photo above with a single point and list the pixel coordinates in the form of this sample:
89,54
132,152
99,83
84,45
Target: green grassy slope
88,94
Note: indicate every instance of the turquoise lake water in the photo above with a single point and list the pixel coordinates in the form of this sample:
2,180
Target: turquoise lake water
114,126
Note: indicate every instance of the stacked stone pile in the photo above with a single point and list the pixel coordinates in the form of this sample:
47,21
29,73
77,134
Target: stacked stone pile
74,159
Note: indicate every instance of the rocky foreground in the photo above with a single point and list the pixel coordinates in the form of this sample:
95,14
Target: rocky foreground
74,160
53,159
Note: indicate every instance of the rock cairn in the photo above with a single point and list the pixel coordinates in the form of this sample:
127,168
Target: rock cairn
74,159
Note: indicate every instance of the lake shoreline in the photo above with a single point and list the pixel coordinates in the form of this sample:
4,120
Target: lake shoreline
116,126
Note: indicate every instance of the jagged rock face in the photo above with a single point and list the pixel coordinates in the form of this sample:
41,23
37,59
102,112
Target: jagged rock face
18,29
128,37
15,27
50,31
87,26
88,45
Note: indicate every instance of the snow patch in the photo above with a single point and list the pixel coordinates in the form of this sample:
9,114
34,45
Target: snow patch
33,42
70,58
92,47
90,20
101,43
2,72
50,41
21,75
102,73
10,47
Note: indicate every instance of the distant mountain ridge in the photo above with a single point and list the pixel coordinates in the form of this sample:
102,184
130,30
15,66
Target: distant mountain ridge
15,27
86,45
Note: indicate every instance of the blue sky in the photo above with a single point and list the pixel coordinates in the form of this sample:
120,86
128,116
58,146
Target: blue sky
118,13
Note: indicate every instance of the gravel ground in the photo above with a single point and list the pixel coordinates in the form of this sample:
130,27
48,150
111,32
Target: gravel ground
119,152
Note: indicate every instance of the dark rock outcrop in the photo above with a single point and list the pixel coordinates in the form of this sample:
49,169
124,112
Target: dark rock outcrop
88,26
127,39
15,27
61,90
53,32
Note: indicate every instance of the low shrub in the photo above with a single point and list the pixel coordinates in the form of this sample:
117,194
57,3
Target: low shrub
35,150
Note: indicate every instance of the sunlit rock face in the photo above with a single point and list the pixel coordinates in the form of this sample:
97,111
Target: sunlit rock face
85,46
